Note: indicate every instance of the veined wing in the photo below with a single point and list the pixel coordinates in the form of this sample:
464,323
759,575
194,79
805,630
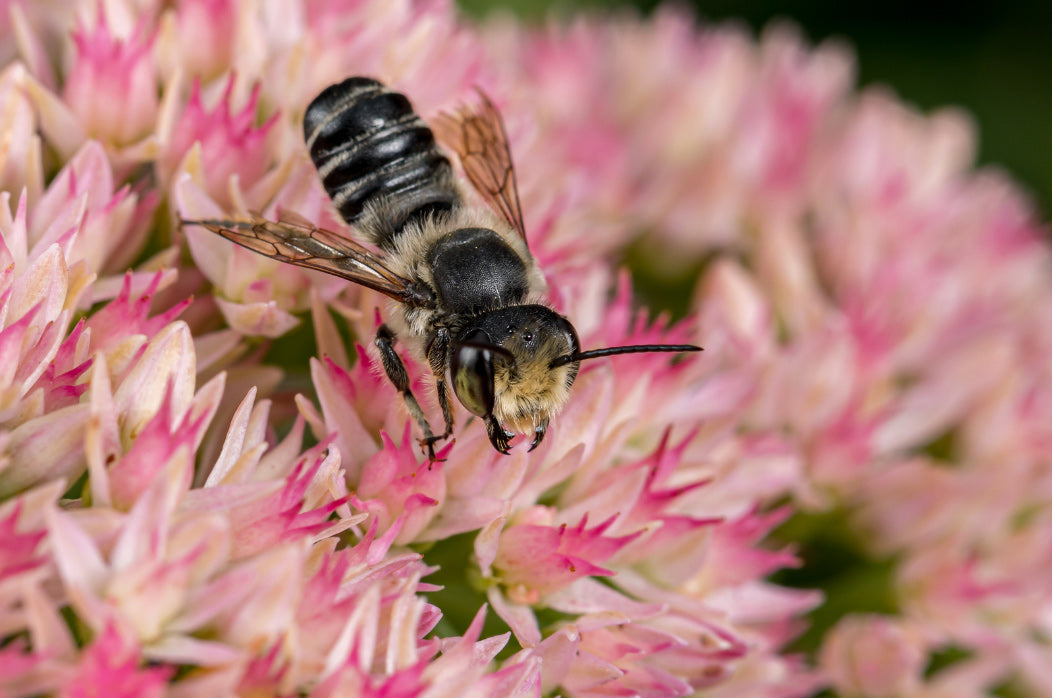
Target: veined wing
293,240
478,137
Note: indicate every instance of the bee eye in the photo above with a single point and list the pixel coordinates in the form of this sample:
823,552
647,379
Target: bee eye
471,367
570,334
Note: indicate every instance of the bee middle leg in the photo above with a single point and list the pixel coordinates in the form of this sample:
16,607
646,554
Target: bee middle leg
394,367
437,358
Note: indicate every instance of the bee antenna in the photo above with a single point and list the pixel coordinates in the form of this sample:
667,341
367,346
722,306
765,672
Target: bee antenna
610,351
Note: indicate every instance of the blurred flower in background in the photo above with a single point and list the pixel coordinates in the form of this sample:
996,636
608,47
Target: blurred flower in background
207,489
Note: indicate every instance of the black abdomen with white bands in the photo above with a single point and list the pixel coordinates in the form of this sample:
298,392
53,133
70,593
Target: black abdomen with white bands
367,142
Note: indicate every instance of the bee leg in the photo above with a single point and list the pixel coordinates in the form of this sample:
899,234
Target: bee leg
498,437
438,359
538,433
447,415
396,373
447,406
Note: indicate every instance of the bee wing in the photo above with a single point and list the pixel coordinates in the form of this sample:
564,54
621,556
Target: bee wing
477,135
294,240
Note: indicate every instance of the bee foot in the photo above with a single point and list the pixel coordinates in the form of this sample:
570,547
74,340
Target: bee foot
499,437
538,434
427,445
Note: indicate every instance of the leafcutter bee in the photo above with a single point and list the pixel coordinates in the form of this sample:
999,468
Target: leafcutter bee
472,299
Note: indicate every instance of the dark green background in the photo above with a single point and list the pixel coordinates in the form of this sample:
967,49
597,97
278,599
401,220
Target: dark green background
992,58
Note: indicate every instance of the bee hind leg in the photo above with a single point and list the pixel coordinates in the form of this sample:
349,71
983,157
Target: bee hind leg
394,367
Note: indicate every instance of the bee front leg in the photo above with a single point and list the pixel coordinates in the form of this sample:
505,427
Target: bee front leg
399,377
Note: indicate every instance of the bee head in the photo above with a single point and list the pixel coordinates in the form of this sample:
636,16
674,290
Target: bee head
502,369
515,366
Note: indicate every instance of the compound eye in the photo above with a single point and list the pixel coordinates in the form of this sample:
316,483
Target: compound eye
471,367
569,334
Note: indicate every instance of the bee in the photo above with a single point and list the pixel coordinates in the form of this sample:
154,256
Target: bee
471,296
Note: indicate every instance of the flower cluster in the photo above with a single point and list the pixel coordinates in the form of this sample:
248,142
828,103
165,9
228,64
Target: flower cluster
185,513
883,304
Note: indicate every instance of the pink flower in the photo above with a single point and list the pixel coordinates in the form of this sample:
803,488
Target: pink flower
396,488
20,160
112,664
20,548
355,408
100,227
48,363
534,558
230,145
874,656
112,85
199,37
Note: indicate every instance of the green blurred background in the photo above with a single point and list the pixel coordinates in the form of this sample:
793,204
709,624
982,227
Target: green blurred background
992,58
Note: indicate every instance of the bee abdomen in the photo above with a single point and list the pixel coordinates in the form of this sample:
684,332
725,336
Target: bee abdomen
368,145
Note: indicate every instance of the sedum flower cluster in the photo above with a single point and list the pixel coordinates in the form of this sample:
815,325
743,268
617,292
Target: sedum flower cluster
207,486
